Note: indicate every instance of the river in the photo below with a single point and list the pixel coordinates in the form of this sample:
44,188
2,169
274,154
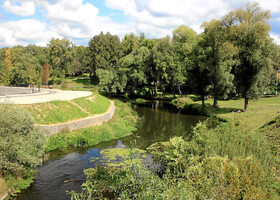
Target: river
63,171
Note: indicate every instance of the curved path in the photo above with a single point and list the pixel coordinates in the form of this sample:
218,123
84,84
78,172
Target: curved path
17,95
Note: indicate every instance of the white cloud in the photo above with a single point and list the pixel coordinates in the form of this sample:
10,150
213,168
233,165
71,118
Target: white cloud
81,21
22,31
158,18
26,8
272,5
275,37
77,20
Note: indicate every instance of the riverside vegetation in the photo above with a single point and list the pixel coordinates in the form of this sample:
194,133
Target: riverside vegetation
239,159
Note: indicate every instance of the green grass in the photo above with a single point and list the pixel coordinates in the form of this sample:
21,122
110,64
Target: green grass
54,112
260,112
95,104
122,124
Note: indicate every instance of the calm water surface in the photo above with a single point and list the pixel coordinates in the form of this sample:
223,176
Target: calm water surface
64,169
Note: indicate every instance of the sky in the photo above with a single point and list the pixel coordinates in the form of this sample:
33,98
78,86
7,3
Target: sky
24,22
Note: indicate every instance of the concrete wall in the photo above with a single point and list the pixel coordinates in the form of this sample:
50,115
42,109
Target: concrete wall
80,123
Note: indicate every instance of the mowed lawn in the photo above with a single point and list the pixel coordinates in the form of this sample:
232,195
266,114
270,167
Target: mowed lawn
260,111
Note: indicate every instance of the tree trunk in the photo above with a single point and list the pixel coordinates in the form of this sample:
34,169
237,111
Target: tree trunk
246,104
173,91
203,103
180,92
215,104
155,88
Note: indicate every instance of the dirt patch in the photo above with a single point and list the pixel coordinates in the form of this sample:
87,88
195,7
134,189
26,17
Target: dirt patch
92,98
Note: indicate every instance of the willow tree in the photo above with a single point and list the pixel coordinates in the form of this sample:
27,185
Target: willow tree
249,30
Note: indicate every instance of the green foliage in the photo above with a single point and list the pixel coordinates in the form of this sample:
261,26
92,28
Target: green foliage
21,144
104,51
122,124
60,55
218,58
249,29
139,100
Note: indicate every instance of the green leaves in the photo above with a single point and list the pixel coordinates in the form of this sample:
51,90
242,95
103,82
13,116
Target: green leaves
21,145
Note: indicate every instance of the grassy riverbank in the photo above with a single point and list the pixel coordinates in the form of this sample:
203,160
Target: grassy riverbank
122,124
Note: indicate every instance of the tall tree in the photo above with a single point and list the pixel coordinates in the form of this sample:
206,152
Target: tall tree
105,52
60,56
135,66
219,54
184,40
161,53
198,74
249,30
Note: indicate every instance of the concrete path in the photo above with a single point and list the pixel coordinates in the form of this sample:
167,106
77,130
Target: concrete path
23,96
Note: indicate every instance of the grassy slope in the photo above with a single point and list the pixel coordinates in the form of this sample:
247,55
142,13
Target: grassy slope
122,124
63,111
95,105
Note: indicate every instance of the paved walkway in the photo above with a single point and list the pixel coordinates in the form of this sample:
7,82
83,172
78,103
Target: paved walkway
17,95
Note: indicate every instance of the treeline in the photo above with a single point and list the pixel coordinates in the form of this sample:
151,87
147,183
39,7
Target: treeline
233,56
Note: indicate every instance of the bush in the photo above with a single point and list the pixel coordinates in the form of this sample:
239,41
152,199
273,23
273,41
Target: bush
21,144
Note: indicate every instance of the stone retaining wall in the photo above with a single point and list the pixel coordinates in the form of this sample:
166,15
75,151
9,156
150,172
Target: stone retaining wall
80,123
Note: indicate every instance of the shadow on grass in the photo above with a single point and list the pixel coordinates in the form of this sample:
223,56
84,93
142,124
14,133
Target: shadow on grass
84,81
208,110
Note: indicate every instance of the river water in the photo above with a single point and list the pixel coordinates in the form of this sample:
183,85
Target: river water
63,171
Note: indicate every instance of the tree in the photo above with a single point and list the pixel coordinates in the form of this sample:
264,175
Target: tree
60,55
161,53
219,58
105,52
184,40
8,67
135,66
249,31
45,74
198,74
129,43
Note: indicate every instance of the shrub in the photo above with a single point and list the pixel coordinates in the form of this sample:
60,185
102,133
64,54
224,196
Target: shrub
21,144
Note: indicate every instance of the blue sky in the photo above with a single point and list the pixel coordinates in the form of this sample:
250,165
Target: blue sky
24,22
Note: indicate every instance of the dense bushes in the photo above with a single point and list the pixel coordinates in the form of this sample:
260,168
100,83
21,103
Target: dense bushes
21,144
